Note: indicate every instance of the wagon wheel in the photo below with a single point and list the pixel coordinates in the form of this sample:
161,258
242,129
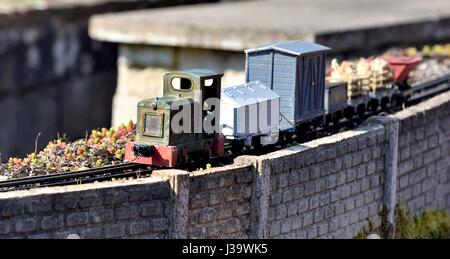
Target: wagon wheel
397,101
349,113
337,117
384,103
361,110
373,105
237,146
256,143
328,119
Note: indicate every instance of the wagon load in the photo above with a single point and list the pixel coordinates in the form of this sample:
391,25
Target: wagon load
362,76
346,72
435,62
381,76
427,70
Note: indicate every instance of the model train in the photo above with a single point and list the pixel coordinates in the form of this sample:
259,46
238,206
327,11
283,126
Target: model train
285,92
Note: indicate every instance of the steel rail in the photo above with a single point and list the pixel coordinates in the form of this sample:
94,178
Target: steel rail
87,180
61,177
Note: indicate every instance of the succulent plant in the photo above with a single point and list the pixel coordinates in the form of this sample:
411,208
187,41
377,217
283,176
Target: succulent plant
102,147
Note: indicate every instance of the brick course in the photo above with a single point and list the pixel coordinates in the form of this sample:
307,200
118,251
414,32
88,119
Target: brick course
116,210
219,203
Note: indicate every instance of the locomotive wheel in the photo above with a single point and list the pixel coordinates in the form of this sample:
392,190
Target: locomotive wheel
183,158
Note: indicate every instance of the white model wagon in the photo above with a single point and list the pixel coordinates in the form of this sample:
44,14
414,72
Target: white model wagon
250,113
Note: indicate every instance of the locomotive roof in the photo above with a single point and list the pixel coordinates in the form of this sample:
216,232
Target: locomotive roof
200,72
296,47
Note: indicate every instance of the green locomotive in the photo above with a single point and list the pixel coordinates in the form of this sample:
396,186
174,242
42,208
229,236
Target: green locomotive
167,135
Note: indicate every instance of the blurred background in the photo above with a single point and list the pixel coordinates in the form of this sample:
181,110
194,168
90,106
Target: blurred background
69,66
54,79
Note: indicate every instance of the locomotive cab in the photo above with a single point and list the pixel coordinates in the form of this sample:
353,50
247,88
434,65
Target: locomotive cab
170,129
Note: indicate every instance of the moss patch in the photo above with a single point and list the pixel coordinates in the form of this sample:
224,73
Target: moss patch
431,224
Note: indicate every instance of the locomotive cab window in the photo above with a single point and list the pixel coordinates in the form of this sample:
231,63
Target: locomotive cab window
153,125
181,84
209,82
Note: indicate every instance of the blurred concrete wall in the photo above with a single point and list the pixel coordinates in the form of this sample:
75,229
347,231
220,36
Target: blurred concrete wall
214,36
53,77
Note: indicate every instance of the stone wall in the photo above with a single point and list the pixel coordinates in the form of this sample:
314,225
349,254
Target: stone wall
216,205
327,188
424,153
53,77
137,209
219,203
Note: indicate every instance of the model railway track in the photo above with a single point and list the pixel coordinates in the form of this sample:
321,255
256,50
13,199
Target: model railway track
86,176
